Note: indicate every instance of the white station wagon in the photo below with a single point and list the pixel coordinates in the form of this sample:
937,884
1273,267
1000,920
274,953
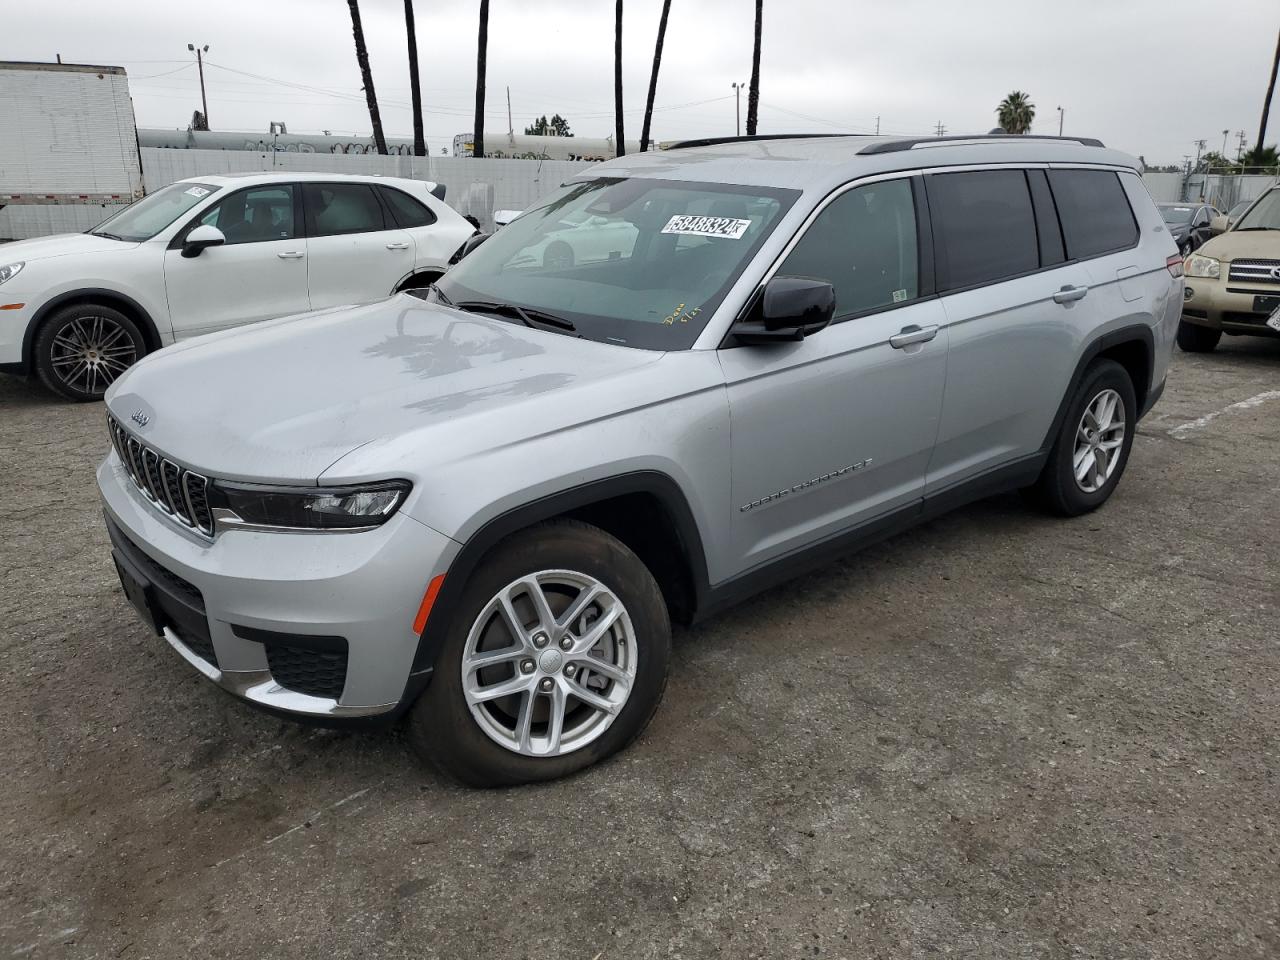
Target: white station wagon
209,253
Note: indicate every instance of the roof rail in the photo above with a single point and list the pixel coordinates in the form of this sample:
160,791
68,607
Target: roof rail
716,141
894,146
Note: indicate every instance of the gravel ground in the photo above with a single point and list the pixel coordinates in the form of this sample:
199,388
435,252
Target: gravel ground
999,735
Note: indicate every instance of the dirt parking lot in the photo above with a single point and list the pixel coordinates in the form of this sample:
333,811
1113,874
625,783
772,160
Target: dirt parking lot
999,735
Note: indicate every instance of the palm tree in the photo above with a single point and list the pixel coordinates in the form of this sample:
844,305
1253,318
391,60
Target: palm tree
753,92
1015,113
1271,89
419,142
653,77
620,144
362,58
482,50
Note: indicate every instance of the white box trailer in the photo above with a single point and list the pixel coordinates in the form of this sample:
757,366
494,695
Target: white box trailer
68,147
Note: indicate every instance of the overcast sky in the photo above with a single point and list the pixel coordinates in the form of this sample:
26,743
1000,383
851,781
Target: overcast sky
1148,76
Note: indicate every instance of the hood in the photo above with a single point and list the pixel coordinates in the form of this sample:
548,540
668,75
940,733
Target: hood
1247,244
59,245
282,401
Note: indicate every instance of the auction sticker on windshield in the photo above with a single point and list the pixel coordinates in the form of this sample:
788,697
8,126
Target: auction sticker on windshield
698,226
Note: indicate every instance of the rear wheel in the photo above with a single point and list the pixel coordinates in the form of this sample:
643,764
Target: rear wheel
556,659
1092,447
82,349
1193,338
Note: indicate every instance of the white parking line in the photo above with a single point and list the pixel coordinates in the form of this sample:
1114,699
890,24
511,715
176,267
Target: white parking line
1180,432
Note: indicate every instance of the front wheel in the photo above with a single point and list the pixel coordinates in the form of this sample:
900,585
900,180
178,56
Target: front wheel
1193,338
556,659
83,348
1093,443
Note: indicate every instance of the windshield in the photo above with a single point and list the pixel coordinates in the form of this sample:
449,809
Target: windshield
1264,215
1173,213
638,262
1239,208
144,219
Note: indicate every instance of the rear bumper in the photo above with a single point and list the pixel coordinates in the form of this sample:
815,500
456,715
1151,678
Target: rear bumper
1227,305
309,625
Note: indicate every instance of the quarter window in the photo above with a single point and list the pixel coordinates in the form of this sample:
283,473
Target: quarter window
983,227
1094,211
407,211
255,215
864,244
336,208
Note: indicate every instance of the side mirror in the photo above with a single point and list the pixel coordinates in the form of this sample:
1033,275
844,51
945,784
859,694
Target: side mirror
790,308
502,217
1218,224
467,248
201,237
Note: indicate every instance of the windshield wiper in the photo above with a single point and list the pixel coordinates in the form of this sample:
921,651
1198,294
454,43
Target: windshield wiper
109,236
530,317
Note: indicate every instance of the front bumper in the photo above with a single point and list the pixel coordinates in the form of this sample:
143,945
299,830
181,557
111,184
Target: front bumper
274,617
1228,305
13,329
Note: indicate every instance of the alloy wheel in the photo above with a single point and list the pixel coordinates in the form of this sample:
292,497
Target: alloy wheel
89,353
1099,439
549,663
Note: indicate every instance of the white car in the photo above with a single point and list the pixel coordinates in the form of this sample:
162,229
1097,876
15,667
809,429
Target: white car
209,253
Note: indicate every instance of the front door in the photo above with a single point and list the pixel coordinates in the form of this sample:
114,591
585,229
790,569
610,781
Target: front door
259,273
835,431
355,253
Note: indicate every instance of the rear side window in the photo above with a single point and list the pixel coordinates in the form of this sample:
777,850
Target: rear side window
1094,211
984,227
407,211
864,244
334,208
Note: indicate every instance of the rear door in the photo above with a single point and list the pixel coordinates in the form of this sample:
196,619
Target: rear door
1016,310
433,243
259,273
355,251
836,430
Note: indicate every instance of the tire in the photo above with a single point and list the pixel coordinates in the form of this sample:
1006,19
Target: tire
480,743
83,348
1058,489
1193,338
558,256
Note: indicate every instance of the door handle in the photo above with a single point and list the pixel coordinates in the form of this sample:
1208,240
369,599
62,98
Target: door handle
397,246
912,334
1070,294
291,255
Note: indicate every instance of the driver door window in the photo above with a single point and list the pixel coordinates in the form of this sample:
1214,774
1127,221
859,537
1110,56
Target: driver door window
256,215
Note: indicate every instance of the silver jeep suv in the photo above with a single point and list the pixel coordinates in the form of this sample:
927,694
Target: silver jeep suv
683,377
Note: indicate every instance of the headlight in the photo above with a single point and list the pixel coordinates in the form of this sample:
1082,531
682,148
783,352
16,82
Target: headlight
307,508
1198,266
11,270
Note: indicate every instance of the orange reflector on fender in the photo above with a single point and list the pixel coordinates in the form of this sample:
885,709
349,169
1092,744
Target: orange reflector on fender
428,599
12,306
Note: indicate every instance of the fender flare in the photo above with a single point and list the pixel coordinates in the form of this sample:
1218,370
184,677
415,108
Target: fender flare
493,531
1133,333
149,329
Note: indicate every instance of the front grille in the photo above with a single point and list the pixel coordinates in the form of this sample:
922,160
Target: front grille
318,673
176,491
1254,271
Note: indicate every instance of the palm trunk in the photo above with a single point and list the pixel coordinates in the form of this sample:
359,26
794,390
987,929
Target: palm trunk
1266,104
415,90
482,51
653,77
620,144
362,57
753,92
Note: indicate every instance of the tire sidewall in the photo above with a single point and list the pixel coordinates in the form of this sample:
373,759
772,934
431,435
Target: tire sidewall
441,722
43,346
1105,374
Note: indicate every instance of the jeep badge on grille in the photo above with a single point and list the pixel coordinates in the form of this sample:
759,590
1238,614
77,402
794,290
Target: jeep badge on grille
140,418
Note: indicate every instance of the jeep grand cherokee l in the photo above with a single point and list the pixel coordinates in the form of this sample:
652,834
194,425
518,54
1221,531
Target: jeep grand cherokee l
483,506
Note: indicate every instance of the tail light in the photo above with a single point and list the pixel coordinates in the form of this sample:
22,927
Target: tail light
1174,264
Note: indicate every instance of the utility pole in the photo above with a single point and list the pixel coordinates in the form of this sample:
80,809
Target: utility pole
940,129
1225,134
1199,149
511,131
1061,116
1240,150
877,126
199,51
737,105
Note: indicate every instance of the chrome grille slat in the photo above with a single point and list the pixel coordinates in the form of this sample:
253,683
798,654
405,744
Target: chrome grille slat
179,493
1256,271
